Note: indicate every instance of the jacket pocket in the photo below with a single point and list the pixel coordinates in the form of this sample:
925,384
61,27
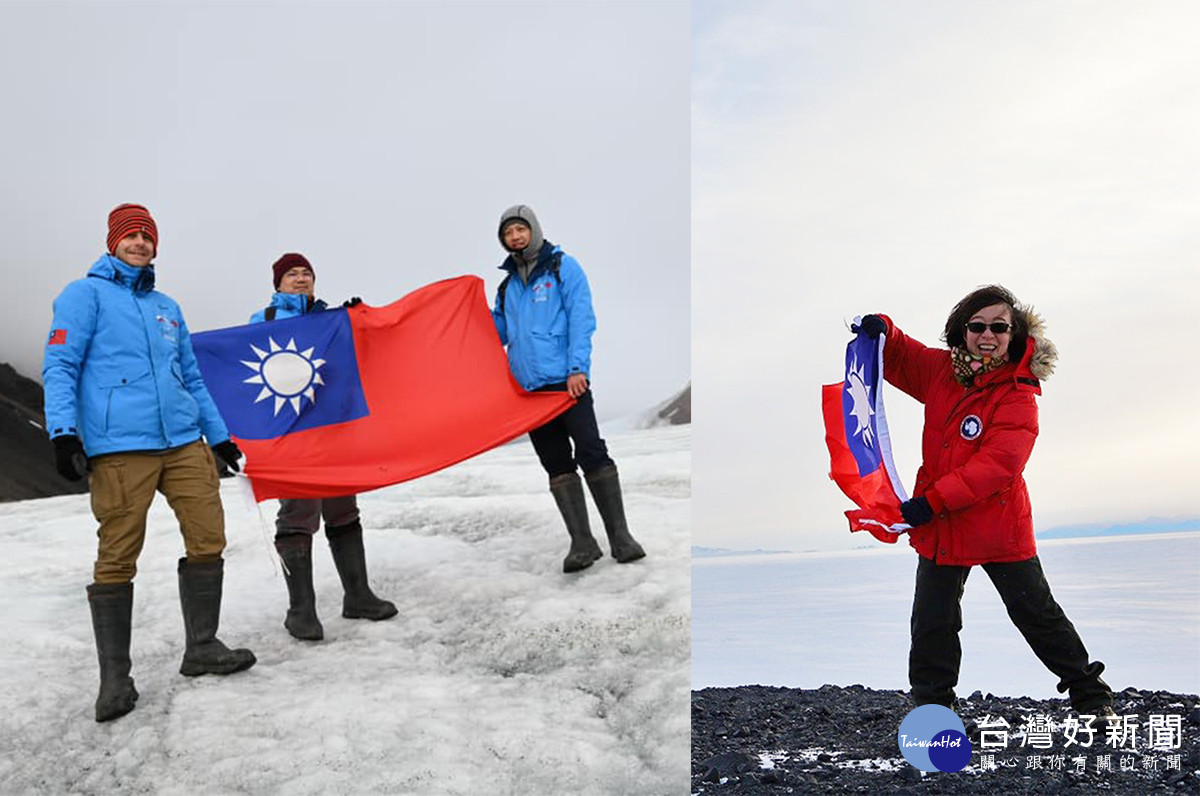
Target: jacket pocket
184,412
550,354
119,391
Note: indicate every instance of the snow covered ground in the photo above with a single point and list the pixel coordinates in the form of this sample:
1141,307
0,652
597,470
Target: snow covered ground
501,675
804,620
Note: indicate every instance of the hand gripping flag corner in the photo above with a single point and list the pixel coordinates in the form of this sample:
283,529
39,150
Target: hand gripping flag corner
860,449
344,401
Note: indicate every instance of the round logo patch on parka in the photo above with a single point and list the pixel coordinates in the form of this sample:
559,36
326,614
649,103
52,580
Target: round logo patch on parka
971,427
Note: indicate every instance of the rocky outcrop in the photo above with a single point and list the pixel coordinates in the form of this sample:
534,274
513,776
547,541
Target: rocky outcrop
26,456
834,739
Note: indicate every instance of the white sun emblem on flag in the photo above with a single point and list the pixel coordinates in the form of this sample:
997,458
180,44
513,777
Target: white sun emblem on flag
285,373
860,393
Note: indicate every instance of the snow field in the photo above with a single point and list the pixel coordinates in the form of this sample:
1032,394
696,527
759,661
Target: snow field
500,675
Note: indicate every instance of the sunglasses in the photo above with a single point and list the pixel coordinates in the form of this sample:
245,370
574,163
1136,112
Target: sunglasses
998,327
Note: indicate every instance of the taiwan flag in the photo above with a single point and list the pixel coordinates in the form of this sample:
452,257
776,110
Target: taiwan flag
343,401
860,449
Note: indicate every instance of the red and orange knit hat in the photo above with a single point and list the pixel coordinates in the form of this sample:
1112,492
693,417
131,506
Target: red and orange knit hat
289,261
127,219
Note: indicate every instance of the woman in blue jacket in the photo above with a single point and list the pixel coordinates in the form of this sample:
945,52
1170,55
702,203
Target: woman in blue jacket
543,313
299,519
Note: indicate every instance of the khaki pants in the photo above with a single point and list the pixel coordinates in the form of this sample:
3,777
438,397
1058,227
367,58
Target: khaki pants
123,487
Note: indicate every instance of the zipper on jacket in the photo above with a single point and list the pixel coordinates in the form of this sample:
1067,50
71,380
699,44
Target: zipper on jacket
970,393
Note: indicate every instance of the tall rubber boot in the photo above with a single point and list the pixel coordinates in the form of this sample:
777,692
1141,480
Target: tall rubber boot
359,602
200,598
606,491
568,494
112,615
296,552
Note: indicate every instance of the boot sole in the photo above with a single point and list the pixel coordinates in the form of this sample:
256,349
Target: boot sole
579,567
372,616
569,566
100,719
316,634
198,669
306,637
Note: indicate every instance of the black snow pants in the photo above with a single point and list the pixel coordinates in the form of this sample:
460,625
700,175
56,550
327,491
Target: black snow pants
935,655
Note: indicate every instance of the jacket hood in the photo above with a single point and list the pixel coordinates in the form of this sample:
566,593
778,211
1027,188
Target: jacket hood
139,280
523,213
1041,355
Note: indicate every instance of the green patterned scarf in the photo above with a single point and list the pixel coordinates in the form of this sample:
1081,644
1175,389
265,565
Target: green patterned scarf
967,366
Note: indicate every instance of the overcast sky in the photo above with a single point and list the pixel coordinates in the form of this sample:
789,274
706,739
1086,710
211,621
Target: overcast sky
854,156
382,140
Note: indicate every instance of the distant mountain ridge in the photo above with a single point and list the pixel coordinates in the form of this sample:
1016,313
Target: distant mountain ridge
675,411
714,552
1079,531
27,464
1151,525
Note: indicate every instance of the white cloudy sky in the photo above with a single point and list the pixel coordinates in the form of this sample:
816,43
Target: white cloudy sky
380,139
863,156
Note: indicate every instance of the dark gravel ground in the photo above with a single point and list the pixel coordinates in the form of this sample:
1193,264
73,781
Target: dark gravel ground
843,740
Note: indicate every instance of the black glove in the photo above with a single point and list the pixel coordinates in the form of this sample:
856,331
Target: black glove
228,453
69,458
871,325
352,302
916,511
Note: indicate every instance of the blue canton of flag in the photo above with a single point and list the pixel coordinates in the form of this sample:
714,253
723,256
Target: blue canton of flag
859,391
271,379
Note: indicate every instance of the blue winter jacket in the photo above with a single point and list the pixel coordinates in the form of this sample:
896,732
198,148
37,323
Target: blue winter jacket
119,371
287,305
548,322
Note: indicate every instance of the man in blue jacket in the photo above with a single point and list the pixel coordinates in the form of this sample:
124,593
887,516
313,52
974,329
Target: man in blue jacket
543,313
126,406
300,519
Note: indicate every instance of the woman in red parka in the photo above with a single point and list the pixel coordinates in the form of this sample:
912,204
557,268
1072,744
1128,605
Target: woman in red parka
971,505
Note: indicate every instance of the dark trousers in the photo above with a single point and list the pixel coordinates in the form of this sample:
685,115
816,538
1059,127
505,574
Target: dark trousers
934,658
303,515
552,441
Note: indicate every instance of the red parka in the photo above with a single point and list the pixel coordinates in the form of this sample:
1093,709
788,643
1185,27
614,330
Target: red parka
973,450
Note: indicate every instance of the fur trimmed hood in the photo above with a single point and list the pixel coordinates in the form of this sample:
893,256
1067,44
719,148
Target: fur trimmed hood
1045,354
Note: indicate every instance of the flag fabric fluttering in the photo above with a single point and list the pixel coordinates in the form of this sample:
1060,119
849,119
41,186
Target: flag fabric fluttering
860,448
344,401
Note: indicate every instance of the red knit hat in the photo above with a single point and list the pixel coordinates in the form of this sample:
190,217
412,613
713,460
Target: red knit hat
287,262
127,219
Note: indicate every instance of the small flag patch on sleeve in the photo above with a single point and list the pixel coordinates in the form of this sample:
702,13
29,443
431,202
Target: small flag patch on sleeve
57,337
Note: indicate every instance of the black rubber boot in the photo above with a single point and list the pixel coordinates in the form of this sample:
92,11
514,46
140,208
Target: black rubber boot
346,544
112,615
296,552
568,494
200,598
606,491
